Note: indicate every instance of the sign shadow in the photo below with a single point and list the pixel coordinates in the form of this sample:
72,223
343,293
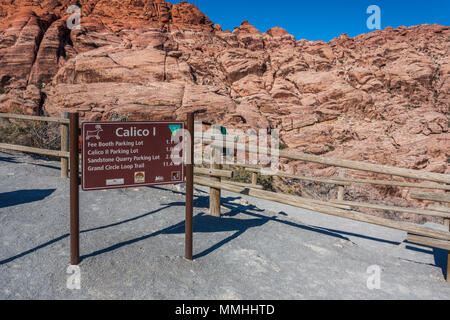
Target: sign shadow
14,198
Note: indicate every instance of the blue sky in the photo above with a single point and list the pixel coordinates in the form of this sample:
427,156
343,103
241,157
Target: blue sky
322,20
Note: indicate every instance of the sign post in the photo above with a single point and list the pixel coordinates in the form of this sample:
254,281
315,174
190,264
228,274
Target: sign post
74,191
130,154
189,186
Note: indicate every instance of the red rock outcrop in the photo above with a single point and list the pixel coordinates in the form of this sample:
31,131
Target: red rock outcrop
277,32
246,27
381,97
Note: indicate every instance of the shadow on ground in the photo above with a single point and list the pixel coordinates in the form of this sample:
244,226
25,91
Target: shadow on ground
13,159
14,198
440,256
203,223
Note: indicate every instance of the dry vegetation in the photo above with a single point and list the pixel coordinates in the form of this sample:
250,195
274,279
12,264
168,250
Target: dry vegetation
37,134
240,175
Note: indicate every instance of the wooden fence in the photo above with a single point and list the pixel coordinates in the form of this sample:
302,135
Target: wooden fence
63,153
339,207
217,178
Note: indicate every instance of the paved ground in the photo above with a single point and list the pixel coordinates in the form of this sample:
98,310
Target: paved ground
132,243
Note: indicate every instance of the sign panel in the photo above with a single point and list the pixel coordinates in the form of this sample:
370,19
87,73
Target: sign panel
129,154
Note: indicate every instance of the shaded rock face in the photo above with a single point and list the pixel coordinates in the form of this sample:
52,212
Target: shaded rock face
381,97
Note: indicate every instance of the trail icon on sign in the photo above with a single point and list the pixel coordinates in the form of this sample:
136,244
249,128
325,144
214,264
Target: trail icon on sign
94,133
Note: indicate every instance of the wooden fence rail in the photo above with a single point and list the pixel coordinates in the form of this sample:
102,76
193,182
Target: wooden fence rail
431,213
326,208
63,153
34,118
431,196
54,153
331,180
349,164
340,207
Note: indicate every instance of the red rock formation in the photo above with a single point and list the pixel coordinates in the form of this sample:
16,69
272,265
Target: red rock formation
381,97
277,32
246,27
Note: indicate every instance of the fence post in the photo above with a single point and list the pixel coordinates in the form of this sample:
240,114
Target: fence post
341,190
74,191
64,145
214,193
447,223
254,178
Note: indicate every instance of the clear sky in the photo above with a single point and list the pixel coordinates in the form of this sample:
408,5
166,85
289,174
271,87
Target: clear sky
322,20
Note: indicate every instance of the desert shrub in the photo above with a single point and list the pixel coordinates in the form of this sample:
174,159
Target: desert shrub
115,116
246,177
283,146
141,104
37,134
240,175
266,182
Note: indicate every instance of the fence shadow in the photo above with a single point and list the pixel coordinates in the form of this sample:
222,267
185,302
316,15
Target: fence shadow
66,235
204,223
440,260
439,255
15,160
9,159
14,198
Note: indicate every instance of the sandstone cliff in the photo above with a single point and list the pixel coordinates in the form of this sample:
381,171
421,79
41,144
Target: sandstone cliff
380,97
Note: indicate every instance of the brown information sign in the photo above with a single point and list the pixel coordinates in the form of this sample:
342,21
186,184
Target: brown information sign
130,154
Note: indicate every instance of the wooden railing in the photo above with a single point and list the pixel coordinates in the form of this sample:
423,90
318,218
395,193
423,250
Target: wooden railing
339,207
63,153
217,179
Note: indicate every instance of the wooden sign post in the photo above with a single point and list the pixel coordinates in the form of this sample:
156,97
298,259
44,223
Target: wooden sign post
129,154
189,187
74,191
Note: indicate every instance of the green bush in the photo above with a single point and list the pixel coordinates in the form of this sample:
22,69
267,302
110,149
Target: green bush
283,146
142,104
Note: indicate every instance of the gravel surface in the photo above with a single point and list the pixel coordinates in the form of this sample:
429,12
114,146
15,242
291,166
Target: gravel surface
132,246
